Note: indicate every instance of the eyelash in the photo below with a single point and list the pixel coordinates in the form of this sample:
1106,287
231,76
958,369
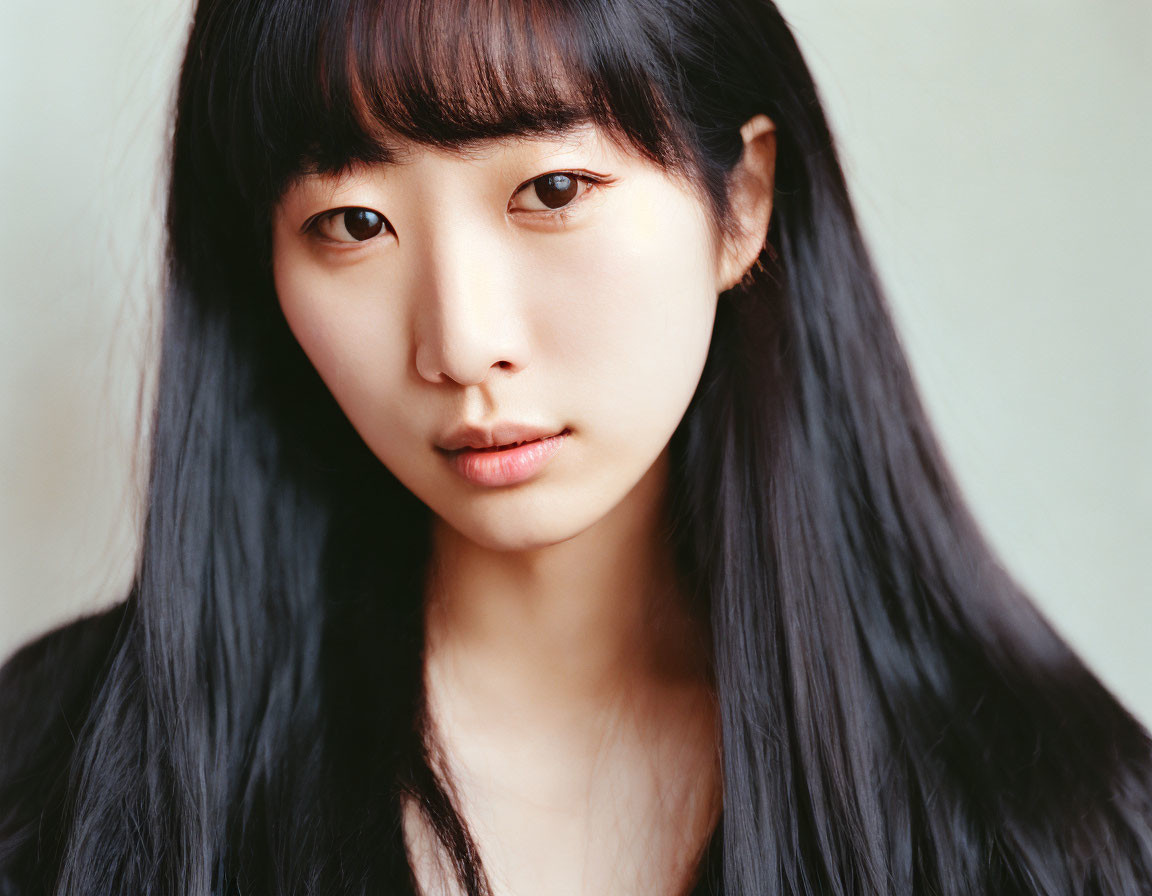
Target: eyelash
591,183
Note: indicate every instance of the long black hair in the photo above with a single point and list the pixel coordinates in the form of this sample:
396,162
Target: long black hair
896,716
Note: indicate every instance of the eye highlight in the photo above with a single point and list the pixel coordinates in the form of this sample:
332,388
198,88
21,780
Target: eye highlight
347,225
554,194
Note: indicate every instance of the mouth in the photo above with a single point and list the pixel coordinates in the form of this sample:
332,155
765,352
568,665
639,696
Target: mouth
498,436
496,448
508,464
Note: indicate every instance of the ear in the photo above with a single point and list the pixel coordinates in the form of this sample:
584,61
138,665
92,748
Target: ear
752,182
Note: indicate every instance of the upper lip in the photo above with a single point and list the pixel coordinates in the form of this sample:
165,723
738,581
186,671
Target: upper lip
471,436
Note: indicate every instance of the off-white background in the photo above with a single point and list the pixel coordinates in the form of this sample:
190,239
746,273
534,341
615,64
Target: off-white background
998,152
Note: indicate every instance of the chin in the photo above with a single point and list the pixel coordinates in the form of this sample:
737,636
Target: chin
503,523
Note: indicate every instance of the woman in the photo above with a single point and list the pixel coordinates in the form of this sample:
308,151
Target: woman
723,624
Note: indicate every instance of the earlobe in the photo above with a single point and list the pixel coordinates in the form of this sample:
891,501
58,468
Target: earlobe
752,182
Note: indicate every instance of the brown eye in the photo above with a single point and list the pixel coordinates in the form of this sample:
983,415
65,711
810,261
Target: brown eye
362,223
555,190
351,225
554,195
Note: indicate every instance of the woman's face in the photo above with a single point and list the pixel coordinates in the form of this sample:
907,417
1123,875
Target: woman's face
561,284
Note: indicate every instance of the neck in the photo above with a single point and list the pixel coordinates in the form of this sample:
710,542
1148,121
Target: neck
568,624
569,698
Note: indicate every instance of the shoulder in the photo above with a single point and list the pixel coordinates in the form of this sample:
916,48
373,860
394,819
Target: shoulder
43,684
46,688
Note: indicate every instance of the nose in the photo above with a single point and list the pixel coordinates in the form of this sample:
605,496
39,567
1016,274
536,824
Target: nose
468,315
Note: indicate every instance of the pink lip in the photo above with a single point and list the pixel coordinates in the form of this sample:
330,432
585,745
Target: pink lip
505,466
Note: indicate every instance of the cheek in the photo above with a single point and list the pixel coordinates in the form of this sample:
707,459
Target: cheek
637,313
342,327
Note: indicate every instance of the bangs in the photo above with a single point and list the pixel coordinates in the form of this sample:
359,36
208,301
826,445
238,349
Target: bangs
335,84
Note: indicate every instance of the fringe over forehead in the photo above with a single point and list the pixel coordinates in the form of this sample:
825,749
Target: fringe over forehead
322,84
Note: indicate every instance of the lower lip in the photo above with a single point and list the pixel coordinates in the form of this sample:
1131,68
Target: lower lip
507,466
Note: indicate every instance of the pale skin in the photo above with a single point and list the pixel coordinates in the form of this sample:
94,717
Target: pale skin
568,684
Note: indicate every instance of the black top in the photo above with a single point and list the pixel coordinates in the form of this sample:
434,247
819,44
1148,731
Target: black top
46,690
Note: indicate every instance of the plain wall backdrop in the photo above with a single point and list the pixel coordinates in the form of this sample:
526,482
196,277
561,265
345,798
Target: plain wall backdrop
999,156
